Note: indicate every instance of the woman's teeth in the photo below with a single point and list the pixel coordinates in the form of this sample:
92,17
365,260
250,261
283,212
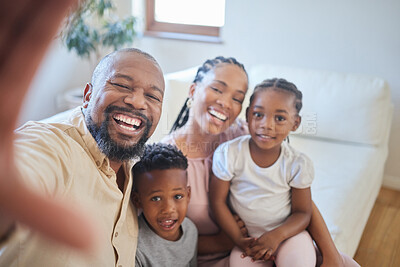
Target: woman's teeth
218,115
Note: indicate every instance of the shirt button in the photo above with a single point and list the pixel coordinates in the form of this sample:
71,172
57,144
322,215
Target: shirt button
116,235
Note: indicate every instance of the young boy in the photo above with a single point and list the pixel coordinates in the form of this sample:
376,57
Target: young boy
166,236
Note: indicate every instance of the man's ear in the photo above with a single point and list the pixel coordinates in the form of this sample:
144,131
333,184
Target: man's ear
192,90
297,123
87,94
136,199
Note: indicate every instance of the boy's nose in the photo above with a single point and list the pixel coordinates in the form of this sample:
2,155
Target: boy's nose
169,206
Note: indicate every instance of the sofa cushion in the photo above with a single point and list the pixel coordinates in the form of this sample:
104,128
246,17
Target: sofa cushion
344,189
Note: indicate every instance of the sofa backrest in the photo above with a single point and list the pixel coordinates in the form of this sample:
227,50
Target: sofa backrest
341,107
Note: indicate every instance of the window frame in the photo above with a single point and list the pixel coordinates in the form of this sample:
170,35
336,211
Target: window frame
178,31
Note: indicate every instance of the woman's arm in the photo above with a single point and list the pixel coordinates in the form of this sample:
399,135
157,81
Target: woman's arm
320,233
219,190
298,221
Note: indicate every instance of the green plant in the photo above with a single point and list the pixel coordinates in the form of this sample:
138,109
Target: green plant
93,24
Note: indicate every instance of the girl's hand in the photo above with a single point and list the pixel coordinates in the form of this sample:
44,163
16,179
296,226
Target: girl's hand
264,247
241,225
244,243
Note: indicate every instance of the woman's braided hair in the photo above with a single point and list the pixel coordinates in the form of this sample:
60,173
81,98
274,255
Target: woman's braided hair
210,64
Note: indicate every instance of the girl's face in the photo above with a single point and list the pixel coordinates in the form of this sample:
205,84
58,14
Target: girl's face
271,117
218,98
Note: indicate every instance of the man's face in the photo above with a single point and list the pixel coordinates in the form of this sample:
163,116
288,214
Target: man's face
164,197
123,106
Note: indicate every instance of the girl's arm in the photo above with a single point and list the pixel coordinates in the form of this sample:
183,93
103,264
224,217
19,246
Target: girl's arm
209,244
320,233
298,221
219,190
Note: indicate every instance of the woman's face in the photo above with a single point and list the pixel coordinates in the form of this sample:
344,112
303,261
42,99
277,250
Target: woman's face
218,98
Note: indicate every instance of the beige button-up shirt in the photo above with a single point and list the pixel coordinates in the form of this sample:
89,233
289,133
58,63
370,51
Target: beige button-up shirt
63,160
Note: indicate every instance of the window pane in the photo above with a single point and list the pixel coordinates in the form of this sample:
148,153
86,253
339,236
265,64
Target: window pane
192,12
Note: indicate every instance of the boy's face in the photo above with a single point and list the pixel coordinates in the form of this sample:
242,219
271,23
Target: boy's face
163,196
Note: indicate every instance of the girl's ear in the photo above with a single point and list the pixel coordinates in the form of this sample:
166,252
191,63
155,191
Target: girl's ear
247,115
136,199
192,90
87,94
297,123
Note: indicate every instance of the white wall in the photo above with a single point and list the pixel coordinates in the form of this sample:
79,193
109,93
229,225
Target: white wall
356,36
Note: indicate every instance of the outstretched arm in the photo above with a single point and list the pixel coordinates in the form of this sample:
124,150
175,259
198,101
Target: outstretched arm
27,28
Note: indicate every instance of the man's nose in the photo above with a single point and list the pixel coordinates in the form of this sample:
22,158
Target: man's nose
136,99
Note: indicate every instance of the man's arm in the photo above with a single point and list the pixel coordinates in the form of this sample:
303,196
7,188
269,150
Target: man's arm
27,28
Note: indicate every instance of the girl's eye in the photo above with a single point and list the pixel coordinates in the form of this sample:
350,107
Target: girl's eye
155,199
178,196
257,114
216,90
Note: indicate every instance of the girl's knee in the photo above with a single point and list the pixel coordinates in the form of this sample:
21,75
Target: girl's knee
296,251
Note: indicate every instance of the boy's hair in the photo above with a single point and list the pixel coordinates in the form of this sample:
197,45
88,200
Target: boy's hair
159,156
208,65
280,84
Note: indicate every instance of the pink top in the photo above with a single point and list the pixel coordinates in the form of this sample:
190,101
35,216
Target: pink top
199,210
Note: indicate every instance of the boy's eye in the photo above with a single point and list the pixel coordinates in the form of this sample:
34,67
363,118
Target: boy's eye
155,199
178,196
280,118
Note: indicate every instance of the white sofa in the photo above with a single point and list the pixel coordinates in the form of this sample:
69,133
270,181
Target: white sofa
345,128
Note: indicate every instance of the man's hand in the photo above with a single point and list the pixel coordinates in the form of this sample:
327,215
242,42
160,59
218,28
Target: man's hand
26,30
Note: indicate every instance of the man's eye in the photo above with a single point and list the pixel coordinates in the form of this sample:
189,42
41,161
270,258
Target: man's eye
178,196
121,85
154,97
155,198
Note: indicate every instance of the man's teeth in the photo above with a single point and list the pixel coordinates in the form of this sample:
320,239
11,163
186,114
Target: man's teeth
217,114
128,120
265,136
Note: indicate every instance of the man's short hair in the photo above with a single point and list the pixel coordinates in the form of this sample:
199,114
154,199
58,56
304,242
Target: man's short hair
160,156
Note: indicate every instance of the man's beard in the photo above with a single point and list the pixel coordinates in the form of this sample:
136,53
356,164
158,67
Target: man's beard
109,147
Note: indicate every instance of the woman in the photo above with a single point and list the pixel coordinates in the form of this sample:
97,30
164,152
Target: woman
208,118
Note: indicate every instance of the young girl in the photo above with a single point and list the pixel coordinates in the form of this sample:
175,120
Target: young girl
268,181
